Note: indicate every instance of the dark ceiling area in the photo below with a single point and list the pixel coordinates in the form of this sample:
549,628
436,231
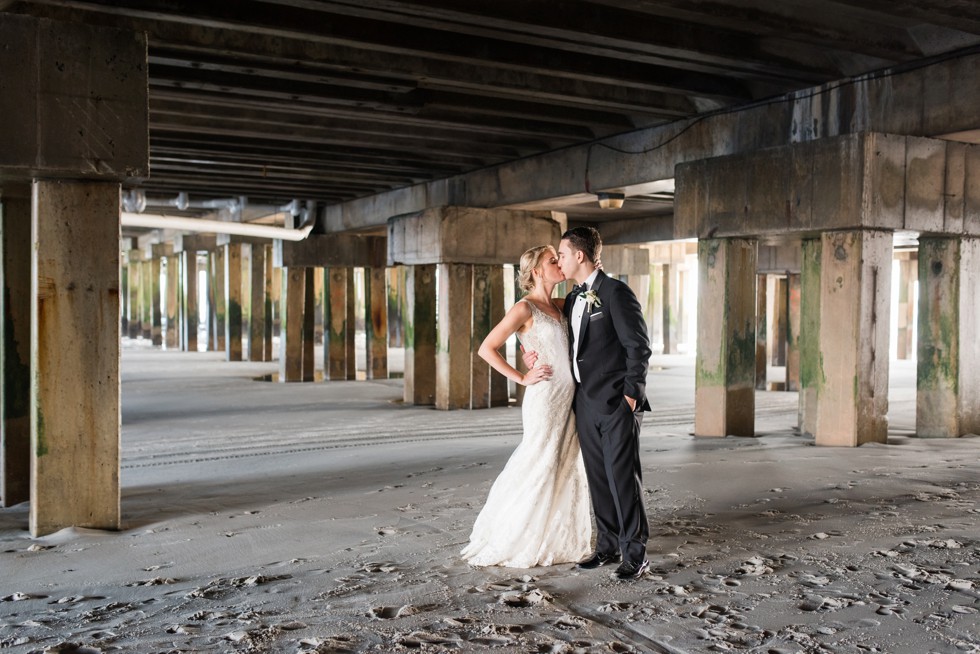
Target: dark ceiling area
331,100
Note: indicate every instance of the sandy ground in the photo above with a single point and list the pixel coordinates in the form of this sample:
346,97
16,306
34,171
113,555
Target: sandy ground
266,517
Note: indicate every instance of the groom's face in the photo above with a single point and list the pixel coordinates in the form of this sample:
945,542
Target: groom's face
568,261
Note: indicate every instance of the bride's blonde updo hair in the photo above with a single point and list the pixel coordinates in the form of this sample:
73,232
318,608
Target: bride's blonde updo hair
529,261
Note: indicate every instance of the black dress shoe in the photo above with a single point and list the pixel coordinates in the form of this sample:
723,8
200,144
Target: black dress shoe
598,559
631,570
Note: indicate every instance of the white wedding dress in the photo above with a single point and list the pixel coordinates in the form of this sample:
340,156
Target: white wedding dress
538,510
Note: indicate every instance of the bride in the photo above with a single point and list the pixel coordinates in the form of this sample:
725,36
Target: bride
537,512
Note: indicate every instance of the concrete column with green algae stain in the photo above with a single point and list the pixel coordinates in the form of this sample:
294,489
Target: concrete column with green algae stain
419,314
855,298
75,357
725,370
811,364
291,332
376,322
335,323
189,310
233,300
947,399
454,340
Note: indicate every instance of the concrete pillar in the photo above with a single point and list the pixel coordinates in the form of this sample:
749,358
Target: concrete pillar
146,298
855,293
793,333
499,393
156,315
761,331
396,295
811,373
454,339
219,302
350,345
420,334
123,296
75,356
482,324
376,322
171,339
309,323
135,313
257,287
188,300
908,274
15,344
275,298
338,282
668,299
725,369
319,310
269,306
291,334
233,301
948,372
780,320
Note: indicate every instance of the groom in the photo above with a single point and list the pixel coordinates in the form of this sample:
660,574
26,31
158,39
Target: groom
610,352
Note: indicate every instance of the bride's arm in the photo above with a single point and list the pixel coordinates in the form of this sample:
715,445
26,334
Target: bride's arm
518,318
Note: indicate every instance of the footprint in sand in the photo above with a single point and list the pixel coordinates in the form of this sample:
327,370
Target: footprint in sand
391,612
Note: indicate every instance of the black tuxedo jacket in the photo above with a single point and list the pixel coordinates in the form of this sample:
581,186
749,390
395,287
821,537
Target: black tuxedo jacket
614,349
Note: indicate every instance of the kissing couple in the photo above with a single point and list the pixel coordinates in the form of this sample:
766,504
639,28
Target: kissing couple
587,358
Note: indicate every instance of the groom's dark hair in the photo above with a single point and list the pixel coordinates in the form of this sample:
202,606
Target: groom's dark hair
586,240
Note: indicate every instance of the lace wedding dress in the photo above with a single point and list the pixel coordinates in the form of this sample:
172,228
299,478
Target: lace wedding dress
538,510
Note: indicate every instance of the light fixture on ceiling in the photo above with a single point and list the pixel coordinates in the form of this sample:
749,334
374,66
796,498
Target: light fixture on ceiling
610,200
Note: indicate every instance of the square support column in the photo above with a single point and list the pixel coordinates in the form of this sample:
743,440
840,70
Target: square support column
499,393
256,323
173,301
855,294
761,331
188,300
15,345
948,370
291,334
309,323
420,334
396,305
135,268
146,298
338,330
454,357
482,324
793,333
376,322
156,316
269,307
811,374
908,275
233,301
75,356
219,314
725,369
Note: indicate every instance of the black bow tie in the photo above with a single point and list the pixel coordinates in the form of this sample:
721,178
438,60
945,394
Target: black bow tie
580,288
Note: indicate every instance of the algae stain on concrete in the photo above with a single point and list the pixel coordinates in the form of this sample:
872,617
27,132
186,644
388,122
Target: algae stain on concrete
938,355
42,444
811,358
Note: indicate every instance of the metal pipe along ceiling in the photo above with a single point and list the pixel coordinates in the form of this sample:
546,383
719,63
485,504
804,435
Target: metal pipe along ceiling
152,221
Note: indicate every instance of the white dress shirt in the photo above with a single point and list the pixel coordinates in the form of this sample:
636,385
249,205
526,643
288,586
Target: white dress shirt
577,310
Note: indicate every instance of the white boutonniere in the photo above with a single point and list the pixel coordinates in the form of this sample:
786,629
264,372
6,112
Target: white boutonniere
591,299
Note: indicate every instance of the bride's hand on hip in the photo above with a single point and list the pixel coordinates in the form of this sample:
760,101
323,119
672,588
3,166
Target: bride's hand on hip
537,374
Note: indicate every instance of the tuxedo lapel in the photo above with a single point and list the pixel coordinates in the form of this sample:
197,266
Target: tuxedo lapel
584,325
